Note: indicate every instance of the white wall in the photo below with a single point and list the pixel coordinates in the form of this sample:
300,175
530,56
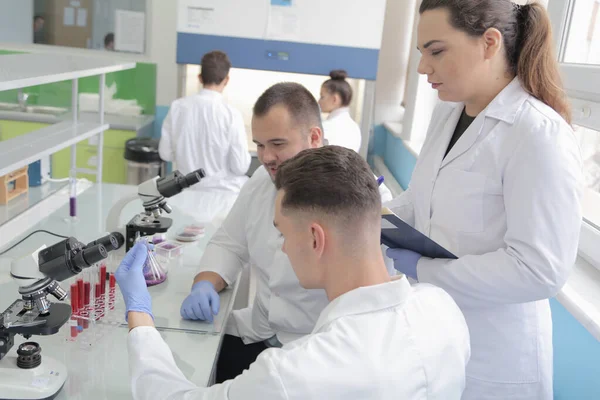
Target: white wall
162,15
16,21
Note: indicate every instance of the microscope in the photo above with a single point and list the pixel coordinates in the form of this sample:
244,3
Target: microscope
25,375
153,194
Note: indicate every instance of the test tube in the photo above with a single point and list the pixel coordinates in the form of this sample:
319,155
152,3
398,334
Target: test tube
111,291
81,302
72,194
98,302
102,279
74,309
81,292
86,303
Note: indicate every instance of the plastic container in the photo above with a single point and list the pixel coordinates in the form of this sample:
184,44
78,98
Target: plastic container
143,160
168,249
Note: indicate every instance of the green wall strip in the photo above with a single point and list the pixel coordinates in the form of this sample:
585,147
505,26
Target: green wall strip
138,83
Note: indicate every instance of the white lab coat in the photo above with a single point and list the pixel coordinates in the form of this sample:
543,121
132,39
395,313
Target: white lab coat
506,201
281,306
340,130
388,341
202,131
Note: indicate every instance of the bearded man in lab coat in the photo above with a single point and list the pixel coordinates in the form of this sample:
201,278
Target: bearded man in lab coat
377,339
286,120
202,131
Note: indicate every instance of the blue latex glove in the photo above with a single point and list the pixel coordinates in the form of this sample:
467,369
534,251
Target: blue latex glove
131,280
405,261
202,303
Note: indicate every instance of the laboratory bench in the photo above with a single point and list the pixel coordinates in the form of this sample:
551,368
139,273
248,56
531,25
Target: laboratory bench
101,371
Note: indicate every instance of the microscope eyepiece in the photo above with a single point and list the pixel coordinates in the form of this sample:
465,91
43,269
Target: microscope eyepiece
111,242
194,177
175,182
94,254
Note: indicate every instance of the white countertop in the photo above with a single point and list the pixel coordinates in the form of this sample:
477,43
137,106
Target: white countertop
102,371
22,203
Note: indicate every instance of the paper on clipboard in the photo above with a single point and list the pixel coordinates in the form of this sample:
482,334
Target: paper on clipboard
396,233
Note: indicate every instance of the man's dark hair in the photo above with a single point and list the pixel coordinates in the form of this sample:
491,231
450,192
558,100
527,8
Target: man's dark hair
108,39
331,181
298,101
37,17
215,67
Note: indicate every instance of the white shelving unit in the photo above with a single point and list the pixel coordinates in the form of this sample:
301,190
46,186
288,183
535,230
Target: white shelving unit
23,70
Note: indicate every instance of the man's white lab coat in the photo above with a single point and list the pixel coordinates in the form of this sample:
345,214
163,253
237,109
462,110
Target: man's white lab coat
383,342
202,131
341,130
281,306
506,201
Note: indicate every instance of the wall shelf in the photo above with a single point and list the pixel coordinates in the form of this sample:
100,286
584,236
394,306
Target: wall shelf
23,70
23,150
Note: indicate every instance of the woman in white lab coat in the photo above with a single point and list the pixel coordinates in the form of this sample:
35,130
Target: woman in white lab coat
339,128
498,183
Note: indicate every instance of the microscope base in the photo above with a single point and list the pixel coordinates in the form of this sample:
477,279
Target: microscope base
40,383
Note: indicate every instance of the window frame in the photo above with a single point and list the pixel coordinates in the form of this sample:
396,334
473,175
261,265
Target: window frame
582,84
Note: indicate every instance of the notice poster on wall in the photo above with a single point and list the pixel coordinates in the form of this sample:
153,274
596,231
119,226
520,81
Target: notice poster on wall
198,17
198,14
130,31
82,17
283,23
69,16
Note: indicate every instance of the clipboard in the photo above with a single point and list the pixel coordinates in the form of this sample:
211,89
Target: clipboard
396,233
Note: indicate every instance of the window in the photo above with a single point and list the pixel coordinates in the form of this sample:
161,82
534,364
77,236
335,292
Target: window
576,26
583,39
109,25
589,142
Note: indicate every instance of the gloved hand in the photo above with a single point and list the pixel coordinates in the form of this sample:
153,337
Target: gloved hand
405,261
202,303
131,280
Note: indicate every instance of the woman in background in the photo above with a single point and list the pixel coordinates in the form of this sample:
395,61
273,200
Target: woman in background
339,128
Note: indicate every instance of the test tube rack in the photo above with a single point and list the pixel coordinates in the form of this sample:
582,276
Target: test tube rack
96,306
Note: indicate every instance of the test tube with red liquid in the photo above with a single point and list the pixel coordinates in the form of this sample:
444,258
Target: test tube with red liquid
74,308
102,279
111,291
86,303
98,301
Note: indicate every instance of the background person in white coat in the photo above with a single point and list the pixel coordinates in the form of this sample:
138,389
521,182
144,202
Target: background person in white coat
377,339
498,183
339,127
202,131
286,121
